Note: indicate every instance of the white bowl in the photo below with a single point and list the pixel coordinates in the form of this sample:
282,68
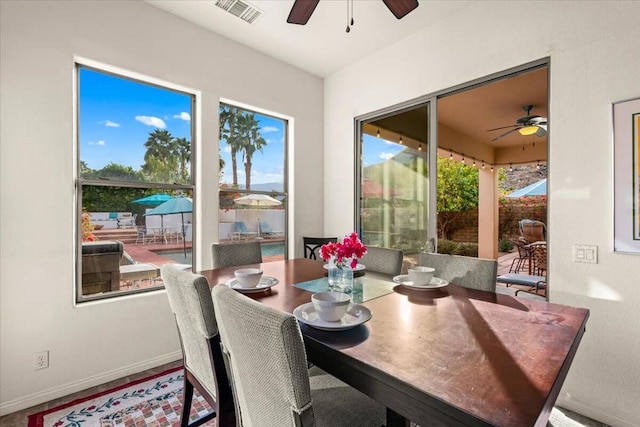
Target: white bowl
421,276
330,306
248,277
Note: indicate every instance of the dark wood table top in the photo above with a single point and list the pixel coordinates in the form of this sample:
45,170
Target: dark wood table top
461,356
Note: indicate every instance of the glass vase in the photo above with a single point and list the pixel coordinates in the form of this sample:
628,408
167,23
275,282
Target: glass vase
340,279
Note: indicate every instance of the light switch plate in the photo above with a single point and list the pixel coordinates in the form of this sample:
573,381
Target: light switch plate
585,253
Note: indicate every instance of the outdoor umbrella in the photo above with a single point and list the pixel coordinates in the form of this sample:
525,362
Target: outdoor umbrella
153,200
257,200
179,205
538,188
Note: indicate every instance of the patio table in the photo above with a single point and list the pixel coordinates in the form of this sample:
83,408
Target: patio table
456,355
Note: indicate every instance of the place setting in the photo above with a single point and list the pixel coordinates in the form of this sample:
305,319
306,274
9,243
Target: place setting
332,311
251,280
420,279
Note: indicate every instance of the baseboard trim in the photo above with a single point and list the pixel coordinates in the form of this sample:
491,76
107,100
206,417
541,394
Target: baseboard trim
85,383
593,413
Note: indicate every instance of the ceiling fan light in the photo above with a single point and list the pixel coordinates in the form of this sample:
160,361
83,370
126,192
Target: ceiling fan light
528,130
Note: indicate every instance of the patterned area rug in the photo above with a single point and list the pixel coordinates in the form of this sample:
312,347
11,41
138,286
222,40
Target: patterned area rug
152,401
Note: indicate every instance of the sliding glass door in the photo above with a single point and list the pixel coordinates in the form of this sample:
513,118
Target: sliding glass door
394,179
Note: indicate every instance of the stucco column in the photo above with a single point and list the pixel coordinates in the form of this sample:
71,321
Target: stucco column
488,214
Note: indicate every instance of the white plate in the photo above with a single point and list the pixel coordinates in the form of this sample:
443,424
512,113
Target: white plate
435,283
265,283
356,315
359,267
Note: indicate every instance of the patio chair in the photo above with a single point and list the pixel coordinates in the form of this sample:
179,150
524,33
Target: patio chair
532,230
242,231
468,272
142,234
383,260
232,254
265,230
312,245
127,221
268,368
522,260
204,366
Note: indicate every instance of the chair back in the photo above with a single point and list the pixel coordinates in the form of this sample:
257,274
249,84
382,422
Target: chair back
539,255
532,230
468,272
263,227
191,303
241,226
232,254
267,361
312,245
383,260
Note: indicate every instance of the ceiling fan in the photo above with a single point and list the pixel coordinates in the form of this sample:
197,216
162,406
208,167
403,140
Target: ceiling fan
527,125
303,9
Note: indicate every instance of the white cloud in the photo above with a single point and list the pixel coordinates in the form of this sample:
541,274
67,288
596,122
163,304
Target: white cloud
110,124
268,129
152,121
101,143
227,149
183,116
386,156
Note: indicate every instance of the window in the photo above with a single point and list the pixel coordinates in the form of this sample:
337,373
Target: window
253,179
134,185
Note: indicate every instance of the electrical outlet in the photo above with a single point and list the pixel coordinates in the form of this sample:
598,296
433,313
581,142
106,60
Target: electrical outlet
41,360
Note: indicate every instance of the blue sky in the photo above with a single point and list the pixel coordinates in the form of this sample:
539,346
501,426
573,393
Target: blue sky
117,115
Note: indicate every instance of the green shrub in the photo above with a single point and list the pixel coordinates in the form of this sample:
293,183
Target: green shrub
505,245
466,249
446,246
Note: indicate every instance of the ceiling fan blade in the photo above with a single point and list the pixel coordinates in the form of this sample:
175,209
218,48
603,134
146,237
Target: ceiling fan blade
504,134
503,127
301,11
400,8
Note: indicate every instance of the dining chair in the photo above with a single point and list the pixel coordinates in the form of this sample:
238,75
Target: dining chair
268,365
232,254
532,230
204,368
521,262
468,272
312,245
383,260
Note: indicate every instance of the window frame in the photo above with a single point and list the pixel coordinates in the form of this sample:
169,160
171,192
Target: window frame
79,181
285,183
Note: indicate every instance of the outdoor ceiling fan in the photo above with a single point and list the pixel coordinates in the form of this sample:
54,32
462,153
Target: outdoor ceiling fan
303,9
527,125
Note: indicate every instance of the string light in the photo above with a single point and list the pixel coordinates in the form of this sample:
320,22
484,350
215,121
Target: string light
491,168
474,162
450,155
378,133
538,165
400,141
462,158
419,146
483,164
510,167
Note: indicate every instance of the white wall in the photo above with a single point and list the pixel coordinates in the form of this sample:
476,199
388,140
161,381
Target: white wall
97,342
593,48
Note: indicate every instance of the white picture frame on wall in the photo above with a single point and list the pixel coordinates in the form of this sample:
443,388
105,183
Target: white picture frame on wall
626,179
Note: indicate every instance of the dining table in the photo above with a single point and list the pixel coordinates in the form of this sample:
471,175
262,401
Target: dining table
446,356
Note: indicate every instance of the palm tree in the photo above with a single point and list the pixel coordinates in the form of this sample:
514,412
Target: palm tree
228,130
250,141
160,145
183,151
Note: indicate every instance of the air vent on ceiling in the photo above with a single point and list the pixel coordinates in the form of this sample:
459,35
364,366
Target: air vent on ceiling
241,9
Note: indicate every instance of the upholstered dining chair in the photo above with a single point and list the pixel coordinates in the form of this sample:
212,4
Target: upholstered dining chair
268,366
312,245
383,260
232,254
204,368
468,272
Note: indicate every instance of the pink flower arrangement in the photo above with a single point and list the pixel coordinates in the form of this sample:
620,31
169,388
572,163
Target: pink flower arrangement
350,248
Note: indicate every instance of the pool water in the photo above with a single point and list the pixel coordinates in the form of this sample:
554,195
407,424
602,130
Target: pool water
267,249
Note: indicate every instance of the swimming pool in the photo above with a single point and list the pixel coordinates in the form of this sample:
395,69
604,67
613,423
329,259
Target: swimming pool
267,249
